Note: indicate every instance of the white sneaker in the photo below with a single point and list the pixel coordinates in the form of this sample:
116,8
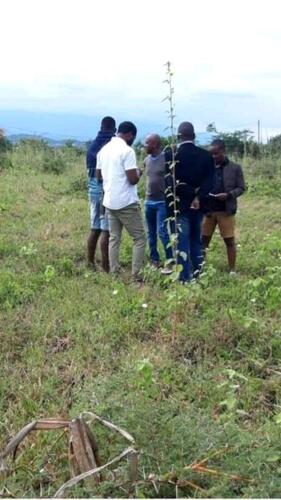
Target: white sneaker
232,273
166,271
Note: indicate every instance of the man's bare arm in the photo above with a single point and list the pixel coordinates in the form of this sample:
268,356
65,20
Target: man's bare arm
98,175
133,176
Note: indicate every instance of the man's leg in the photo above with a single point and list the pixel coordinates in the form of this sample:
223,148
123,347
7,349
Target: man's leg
92,244
104,241
183,247
162,229
227,229
208,228
205,242
196,247
95,228
115,233
231,253
132,220
151,221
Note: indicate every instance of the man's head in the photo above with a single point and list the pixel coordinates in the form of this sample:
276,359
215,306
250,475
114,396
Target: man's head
152,144
108,124
217,150
186,132
128,132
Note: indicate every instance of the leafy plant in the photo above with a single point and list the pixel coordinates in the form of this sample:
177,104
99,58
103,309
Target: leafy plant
49,273
28,250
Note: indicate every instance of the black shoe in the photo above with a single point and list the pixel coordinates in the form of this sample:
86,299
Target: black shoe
137,278
155,263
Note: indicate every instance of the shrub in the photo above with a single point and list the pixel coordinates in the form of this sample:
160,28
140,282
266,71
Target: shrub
54,165
78,185
5,162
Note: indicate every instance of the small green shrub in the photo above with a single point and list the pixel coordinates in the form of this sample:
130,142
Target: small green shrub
5,162
16,290
78,185
66,267
28,250
10,290
49,273
54,165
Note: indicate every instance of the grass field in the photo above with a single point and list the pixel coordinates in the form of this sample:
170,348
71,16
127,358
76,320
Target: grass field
188,371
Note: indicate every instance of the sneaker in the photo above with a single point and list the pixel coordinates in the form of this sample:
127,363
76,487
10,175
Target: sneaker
232,273
196,274
166,270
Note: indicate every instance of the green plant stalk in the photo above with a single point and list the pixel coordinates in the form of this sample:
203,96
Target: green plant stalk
172,145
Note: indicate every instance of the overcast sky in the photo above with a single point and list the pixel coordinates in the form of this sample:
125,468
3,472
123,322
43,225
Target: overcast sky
107,57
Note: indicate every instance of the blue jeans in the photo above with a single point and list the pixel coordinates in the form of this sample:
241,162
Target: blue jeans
156,214
189,242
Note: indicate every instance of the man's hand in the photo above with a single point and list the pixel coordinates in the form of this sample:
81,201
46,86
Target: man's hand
195,205
221,196
133,176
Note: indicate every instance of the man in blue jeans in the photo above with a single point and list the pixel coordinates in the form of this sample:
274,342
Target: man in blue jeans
194,172
155,205
99,219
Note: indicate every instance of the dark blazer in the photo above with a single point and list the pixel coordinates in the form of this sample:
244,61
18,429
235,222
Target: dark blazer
194,171
234,185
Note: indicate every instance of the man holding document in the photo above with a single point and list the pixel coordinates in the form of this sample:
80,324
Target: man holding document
221,205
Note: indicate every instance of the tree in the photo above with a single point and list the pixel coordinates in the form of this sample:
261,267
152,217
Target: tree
274,145
211,128
5,144
238,143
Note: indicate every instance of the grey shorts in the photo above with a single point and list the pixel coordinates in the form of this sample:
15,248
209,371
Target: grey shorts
99,217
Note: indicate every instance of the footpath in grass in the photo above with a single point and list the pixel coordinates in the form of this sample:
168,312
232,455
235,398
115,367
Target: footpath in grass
191,372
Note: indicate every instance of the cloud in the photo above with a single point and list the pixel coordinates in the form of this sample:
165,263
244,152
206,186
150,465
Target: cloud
102,56
269,75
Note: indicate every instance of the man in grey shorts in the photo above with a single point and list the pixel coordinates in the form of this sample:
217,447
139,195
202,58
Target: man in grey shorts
99,220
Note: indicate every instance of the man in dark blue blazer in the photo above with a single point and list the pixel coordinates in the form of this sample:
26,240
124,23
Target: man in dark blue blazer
194,172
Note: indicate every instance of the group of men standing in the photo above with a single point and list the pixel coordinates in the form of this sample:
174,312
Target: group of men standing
188,192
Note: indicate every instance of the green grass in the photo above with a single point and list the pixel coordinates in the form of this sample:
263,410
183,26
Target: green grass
195,371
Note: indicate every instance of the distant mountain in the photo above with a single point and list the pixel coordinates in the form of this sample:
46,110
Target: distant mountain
61,126
14,138
55,128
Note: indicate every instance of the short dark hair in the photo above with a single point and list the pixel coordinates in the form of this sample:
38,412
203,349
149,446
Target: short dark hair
108,124
219,143
126,128
186,131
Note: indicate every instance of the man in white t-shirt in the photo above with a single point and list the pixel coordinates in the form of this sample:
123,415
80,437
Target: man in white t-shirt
117,168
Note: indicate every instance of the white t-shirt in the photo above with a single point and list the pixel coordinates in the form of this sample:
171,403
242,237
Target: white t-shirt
113,160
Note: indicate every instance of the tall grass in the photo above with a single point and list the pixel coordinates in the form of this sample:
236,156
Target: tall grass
72,340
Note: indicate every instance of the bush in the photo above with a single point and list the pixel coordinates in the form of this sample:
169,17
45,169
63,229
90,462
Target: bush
5,162
53,165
